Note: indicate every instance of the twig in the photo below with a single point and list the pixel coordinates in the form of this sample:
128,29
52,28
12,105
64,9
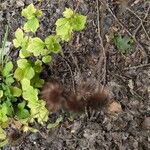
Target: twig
136,67
75,62
73,83
101,58
78,4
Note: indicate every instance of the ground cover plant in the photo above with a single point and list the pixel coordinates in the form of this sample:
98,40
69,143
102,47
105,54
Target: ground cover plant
22,102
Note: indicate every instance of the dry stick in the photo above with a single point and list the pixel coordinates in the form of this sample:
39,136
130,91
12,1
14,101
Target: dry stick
75,62
101,59
136,67
73,83
129,33
78,4
141,24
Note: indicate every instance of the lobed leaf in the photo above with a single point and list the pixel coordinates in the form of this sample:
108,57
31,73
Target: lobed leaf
25,83
24,53
38,66
36,46
63,29
19,38
47,59
68,13
52,43
28,73
78,22
9,80
22,63
123,43
29,12
16,91
31,25
7,69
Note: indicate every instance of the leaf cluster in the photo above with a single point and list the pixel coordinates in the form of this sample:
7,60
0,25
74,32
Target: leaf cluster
70,22
19,91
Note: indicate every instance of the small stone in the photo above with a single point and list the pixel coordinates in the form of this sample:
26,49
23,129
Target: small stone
20,3
146,123
34,136
76,127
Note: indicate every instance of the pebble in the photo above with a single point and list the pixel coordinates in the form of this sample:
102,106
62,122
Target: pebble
20,3
146,123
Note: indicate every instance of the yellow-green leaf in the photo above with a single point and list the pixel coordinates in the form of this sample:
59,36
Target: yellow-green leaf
16,91
31,25
68,13
47,59
29,11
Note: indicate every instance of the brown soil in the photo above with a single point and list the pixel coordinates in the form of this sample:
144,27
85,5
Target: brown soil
91,55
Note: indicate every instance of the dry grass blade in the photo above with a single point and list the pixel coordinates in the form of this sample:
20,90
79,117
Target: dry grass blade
2,53
102,59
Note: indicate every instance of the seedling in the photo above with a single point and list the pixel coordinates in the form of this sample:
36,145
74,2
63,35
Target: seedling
123,44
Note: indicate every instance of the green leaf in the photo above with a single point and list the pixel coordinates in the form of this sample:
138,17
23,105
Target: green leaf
30,94
78,22
31,25
16,91
1,93
47,59
4,142
7,69
22,63
36,82
52,43
3,113
21,105
22,113
64,29
68,13
28,73
54,125
19,34
36,46
38,13
2,134
9,80
19,38
123,43
19,74
16,43
38,66
29,12
25,84
9,107
24,53
39,83
38,110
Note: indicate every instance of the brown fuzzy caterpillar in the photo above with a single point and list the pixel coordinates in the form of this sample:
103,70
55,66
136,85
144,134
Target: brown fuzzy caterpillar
56,98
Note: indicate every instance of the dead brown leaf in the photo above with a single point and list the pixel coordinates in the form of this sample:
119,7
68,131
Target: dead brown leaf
114,107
